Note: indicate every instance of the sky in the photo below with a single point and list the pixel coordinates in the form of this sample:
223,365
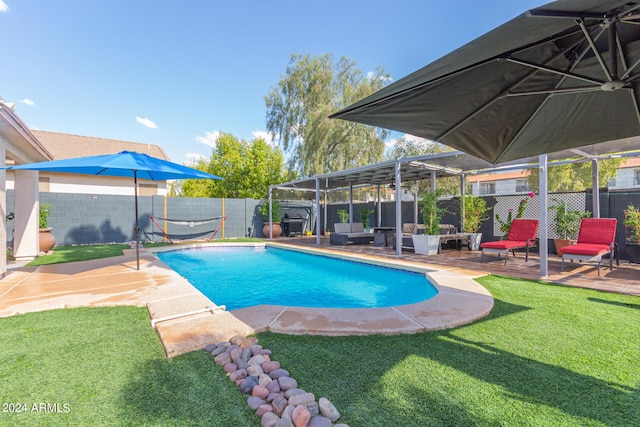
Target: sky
177,73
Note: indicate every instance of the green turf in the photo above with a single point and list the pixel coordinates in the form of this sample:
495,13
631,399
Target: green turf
547,355
106,367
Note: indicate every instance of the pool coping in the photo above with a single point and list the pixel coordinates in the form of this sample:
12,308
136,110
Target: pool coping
460,300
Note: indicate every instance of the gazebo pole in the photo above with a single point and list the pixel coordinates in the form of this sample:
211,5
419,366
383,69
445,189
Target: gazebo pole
398,209
318,211
595,188
543,244
379,209
135,193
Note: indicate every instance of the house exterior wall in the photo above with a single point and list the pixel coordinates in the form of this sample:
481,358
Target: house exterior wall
75,184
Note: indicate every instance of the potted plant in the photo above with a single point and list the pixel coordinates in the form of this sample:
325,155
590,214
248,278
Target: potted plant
364,217
474,209
46,239
631,224
276,208
429,243
505,225
344,215
567,224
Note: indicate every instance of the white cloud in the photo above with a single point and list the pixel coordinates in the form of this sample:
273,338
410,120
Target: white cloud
193,158
145,122
27,100
262,134
209,138
3,7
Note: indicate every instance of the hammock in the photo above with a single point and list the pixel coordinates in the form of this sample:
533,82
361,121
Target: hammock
188,222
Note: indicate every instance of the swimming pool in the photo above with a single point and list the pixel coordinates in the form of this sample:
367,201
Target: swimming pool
240,277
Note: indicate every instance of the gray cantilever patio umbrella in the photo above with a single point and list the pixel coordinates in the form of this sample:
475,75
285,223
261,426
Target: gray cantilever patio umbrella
125,164
559,76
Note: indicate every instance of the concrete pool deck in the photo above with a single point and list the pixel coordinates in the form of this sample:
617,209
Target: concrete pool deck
186,320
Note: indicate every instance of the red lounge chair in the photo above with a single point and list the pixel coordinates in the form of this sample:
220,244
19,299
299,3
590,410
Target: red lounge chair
596,239
522,235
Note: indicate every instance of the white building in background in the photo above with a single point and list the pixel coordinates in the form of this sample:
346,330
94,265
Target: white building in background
514,182
66,146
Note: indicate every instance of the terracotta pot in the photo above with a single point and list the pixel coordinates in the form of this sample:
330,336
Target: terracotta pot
47,240
561,243
277,230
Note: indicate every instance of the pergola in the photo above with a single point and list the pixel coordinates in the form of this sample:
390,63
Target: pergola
457,163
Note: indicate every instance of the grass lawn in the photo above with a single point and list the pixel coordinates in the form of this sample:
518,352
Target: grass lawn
546,355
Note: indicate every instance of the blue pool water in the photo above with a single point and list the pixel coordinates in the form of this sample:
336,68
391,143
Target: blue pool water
241,277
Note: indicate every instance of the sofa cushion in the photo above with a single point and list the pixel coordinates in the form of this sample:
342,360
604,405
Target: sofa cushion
357,227
342,227
599,231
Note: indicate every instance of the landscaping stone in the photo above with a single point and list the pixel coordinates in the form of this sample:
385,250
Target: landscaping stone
230,367
313,408
260,392
254,402
273,386
242,364
222,359
246,354
263,409
248,384
279,404
255,370
328,410
274,394
248,342
235,354
288,412
301,399
236,340
265,380
293,392
240,374
269,419
270,366
284,422
218,350
301,416
279,373
287,383
256,360
254,348
320,421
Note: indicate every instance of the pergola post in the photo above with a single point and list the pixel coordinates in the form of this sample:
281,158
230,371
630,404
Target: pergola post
351,203
379,208
595,185
544,206
270,215
318,211
398,181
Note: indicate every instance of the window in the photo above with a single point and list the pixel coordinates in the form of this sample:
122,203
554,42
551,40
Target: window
636,177
522,185
487,188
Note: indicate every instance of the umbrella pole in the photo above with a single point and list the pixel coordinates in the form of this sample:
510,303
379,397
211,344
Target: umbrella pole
135,192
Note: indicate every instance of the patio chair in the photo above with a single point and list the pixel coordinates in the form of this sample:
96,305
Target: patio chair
596,239
521,235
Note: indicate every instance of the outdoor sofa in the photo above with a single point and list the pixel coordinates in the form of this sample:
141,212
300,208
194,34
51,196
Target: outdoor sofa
350,233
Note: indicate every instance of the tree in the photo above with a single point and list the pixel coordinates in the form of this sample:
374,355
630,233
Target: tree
298,108
248,169
574,176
